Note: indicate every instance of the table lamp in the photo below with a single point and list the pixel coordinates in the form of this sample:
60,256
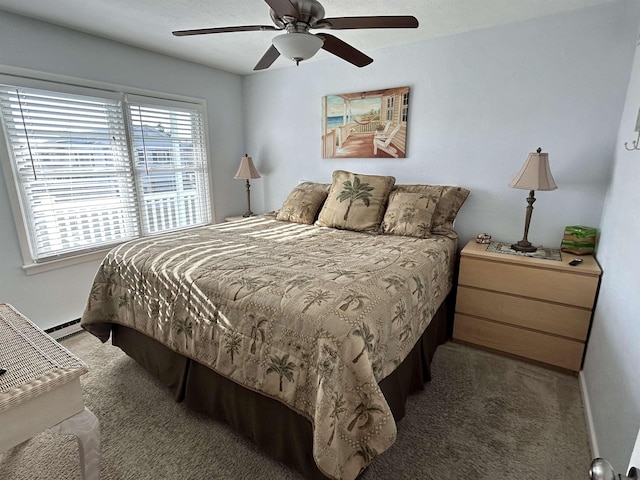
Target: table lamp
247,170
534,175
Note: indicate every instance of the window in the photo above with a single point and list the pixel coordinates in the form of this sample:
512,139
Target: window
405,107
93,171
170,166
390,104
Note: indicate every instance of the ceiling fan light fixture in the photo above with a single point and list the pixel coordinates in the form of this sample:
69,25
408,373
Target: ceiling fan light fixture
297,46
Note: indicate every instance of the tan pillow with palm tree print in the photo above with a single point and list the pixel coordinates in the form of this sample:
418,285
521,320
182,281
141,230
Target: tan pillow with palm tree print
303,203
449,200
409,214
356,202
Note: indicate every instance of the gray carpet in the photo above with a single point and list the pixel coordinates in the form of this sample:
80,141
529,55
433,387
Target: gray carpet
482,417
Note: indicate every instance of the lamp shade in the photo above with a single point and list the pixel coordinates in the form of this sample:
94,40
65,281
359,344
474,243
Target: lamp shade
246,170
297,46
535,173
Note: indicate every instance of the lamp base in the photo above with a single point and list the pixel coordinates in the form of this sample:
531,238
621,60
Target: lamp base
524,246
248,213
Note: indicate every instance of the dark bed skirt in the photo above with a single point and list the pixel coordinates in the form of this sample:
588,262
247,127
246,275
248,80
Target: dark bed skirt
267,422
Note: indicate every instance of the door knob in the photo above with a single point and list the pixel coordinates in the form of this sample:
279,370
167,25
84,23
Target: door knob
601,469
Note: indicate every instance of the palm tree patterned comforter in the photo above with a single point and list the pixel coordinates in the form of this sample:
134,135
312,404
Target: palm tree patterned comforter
311,316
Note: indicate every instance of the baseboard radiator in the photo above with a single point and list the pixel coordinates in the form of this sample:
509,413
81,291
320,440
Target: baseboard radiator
65,330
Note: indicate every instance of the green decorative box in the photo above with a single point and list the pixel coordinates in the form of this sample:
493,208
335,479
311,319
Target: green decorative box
579,240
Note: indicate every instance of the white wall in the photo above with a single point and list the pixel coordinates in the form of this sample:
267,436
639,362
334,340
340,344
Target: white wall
58,296
612,365
480,102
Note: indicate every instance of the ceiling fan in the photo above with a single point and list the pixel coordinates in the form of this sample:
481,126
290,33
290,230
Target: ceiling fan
297,17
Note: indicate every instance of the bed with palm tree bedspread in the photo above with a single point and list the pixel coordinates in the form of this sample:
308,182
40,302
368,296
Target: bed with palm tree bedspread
309,317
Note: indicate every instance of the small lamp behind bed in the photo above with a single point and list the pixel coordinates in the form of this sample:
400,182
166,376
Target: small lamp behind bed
247,170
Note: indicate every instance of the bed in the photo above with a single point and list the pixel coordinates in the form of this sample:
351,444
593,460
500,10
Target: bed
286,329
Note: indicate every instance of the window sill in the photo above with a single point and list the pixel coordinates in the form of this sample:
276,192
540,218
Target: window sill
34,268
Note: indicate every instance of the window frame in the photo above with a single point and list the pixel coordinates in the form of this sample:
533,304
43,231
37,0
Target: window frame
404,111
390,107
64,84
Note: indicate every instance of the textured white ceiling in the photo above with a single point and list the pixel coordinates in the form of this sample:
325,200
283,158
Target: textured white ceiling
149,23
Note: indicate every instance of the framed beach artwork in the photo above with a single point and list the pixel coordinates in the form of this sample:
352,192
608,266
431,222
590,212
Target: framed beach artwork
371,124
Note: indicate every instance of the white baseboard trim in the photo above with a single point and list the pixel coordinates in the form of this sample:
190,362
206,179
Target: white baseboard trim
591,431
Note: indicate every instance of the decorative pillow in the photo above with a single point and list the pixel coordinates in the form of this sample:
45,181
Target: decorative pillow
303,203
409,214
449,201
356,202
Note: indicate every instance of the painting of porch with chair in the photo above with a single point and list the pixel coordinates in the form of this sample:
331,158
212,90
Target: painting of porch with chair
371,124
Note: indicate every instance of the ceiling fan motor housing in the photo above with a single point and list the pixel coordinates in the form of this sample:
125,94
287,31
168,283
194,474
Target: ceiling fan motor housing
309,12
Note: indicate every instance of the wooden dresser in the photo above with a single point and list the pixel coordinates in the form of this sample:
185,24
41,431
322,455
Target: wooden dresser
528,307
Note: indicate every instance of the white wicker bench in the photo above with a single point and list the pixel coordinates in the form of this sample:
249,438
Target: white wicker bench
41,390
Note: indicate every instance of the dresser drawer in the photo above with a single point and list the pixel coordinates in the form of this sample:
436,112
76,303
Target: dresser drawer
561,352
541,283
524,312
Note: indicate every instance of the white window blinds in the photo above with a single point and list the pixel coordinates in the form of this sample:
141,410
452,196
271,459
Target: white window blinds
85,182
170,163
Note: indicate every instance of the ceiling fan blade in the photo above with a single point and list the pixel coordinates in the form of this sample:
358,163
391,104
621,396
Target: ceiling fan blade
348,23
270,56
203,31
283,8
344,50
